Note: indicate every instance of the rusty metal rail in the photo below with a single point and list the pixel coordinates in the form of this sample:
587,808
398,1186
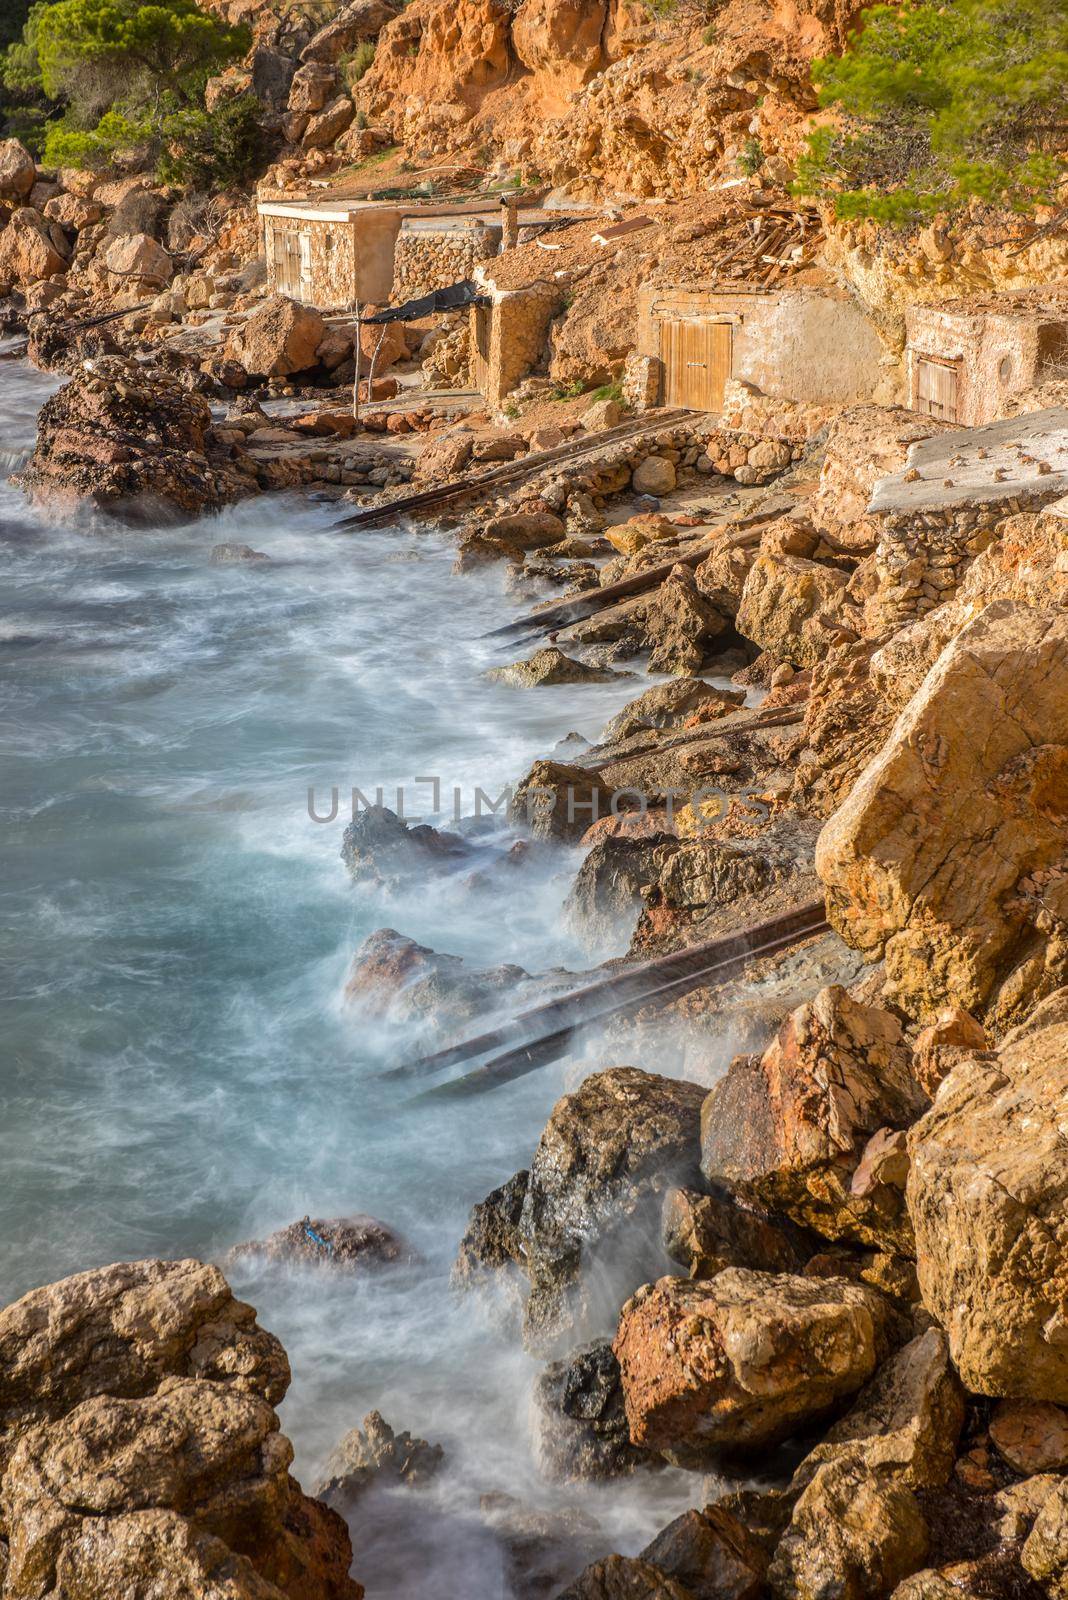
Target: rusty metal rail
512,471
543,1033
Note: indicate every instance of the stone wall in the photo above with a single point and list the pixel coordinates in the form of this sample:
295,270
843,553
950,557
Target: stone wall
510,337
426,259
996,355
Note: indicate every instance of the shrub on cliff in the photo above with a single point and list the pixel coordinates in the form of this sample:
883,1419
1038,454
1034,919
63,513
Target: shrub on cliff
125,75
940,105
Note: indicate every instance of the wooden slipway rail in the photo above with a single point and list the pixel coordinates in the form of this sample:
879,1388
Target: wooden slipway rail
513,471
542,1034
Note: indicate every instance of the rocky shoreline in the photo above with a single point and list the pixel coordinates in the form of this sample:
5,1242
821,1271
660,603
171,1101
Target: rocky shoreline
841,1271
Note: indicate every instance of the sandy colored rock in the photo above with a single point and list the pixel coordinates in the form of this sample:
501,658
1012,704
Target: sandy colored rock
788,1130
655,475
29,250
376,1451
71,211
988,1196
1031,1435
939,1046
624,1578
328,124
559,801
140,1449
312,86
605,1158
706,1232
712,1554
931,861
744,1359
549,666
782,603
669,705
1045,1551
139,258
679,624
363,19
18,171
281,336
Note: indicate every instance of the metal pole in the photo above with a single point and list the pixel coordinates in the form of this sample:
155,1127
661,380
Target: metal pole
356,374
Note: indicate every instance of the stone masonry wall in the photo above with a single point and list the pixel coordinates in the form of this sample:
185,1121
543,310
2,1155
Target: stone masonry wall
427,260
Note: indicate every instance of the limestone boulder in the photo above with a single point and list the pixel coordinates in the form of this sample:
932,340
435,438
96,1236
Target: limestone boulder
679,624
711,1554
948,857
281,336
1031,1435
313,85
549,666
783,604
562,37
18,172
328,124
354,23
140,1448
789,1130
1045,1551
511,533
31,248
139,259
72,211
670,705
706,1232
655,475
605,1158
744,1359
988,1196
559,801
392,978
722,575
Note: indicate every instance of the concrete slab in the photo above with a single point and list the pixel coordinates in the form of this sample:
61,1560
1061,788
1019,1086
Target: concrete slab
1023,458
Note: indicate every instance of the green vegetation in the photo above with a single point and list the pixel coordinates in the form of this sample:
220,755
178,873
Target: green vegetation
710,34
357,62
608,391
941,105
116,75
752,157
568,391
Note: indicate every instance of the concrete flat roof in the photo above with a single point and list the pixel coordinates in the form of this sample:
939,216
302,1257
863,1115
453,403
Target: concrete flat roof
1021,458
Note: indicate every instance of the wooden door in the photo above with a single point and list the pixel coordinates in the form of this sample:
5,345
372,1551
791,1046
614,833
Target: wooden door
696,354
287,261
935,385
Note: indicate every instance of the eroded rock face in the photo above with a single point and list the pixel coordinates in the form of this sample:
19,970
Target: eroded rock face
605,1158
679,624
742,1360
988,1196
281,336
130,442
140,1449
932,860
782,603
788,1130
624,1578
605,898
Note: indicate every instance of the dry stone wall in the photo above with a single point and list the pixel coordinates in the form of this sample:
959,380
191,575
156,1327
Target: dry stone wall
426,260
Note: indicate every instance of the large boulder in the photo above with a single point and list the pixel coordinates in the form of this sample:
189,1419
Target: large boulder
706,1232
361,20
18,173
281,336
580,1424
782,603
988,1194
742,1360
31,248
312,86
788,1130
549,666
562,37
140,1451
604,1161
679,624
948,857
712,1554
559,801
328,124
131,441
670,705
393,978
857,1527
139,259
380,847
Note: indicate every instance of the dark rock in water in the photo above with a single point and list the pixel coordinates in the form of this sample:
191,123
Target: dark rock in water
549,666
492,1240
590,1222
624,1578
543,1549
374,1453
706,1232
712,1554
394,977
224,554
129,440
345,1243
380,847
581,1425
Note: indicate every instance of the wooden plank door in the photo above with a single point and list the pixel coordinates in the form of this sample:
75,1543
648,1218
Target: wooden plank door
935,383
696,354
